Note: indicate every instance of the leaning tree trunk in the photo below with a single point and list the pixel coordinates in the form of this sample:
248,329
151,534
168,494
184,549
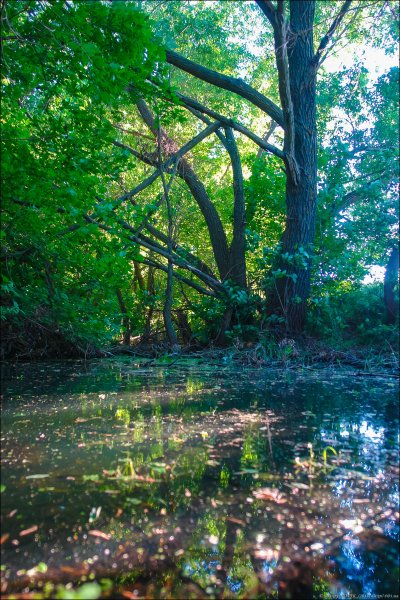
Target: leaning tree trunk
167,309
390,281
290,292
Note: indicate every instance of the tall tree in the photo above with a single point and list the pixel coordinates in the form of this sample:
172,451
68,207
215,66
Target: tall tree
297,62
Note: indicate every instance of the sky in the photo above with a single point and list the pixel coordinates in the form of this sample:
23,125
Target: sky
376,60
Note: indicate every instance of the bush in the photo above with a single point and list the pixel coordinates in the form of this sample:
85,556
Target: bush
356,316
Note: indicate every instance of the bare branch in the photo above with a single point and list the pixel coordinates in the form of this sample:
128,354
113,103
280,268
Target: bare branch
328,36
281,34
211,216
267,135
182,278
232,84
189,102
167,164
180,250
132,132
188,146
154,247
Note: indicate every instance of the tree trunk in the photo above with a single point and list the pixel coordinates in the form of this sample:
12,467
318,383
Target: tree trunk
289,296
167,315
138,275
390,281
221,339
167,310
151,295
237,250
125,318
184,329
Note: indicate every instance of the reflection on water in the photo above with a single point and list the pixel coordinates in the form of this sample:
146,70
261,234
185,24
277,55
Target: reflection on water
199,482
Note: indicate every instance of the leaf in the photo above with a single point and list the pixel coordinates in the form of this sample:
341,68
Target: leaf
29,530
100,534
298,485
270,495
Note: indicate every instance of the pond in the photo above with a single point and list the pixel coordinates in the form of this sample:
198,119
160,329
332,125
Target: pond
133,480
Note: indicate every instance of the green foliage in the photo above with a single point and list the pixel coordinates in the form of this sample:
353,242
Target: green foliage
353,316
66,77
87,591
72,72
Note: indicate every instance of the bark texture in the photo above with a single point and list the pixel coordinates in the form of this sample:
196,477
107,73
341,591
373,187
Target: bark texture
290,292
237,250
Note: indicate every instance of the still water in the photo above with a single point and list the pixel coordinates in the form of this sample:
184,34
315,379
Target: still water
190,481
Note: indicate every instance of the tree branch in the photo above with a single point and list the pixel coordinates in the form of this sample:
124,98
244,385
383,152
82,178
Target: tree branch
167,164
180,250
267,135
328,36
348,199
281,31
182,278
269,10
236,85
215,228
154,247
190,103
182,151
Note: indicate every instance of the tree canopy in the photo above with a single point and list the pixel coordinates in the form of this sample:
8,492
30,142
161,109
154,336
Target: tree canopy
197,171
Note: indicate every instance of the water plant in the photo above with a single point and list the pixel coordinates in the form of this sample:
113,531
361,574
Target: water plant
311,464
325,455
127,469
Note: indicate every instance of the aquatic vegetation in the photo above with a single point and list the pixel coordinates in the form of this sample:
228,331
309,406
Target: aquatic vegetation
122,414
88,591
313,466
325,455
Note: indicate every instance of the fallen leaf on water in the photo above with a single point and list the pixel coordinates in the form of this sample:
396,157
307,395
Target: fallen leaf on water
4,538
266,554
146,479
317,546
100,534
127,594
270,494
29,530
75,571
298,485
234,520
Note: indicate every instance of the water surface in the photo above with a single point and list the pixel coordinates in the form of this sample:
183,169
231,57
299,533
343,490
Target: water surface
191,481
